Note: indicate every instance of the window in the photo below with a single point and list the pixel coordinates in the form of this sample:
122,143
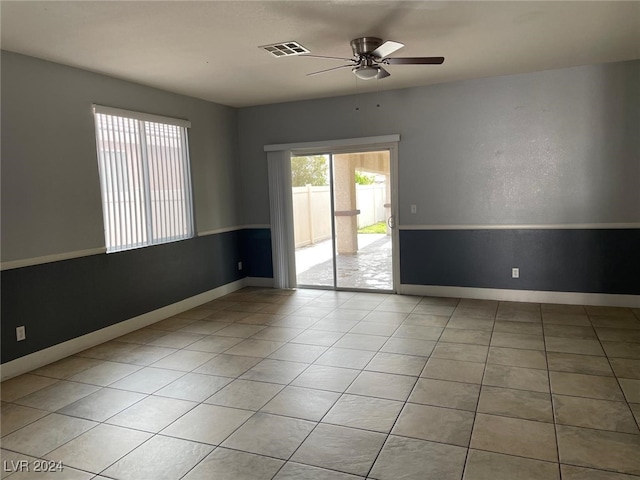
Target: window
144,178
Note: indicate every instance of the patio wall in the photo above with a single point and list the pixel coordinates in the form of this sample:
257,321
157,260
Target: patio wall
312,211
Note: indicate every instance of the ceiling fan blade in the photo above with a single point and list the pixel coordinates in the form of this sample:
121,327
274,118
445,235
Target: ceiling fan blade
332,58
328,70
414,61
382,73
386,49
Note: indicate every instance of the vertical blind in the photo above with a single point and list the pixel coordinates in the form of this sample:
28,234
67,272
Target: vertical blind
145,179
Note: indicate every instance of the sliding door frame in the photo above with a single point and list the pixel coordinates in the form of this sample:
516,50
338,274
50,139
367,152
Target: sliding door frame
331,148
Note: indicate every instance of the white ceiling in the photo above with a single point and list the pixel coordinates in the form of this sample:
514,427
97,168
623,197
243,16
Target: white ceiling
209,49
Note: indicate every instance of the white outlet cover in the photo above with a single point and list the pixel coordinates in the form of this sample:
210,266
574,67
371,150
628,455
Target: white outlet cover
414,208
515,273
21,334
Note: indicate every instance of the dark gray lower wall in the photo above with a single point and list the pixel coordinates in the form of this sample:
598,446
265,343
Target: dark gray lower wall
257,252
590,261
62,300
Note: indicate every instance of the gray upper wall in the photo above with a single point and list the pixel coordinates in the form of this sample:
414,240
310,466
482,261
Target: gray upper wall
50,186
553,147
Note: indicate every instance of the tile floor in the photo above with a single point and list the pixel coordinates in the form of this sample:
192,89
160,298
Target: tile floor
309,384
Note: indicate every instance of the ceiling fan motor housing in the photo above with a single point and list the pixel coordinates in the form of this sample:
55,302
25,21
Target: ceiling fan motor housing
365,45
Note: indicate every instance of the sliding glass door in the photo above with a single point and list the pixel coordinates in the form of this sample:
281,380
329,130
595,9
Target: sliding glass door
343,218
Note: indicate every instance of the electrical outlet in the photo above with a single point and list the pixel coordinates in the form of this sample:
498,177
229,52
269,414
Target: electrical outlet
21,334
239,265
414,209
515,273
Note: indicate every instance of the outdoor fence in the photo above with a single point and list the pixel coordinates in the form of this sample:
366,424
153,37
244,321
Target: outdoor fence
312,211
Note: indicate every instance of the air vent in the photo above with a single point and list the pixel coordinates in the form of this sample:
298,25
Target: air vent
285,49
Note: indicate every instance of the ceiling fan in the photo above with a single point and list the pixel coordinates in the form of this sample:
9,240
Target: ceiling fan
369,56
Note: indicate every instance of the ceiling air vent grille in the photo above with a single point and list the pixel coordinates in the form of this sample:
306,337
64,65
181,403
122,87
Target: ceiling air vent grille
285,49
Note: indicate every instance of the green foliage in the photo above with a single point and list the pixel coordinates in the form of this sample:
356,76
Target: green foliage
379,227
312,170
364,179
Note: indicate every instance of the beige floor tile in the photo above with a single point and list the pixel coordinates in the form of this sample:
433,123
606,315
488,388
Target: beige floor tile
550,308
195,387
145,355
461,352
147,380
419,332
254,348
599,449
99,447
214,344
57,396
462,335
374,328
152,414
412,459
631,389
227,365
426,320
23,385
443,369
496,466
626,367
172,324
635,409
592,413
590,386
160,458
517,357
516,403
335,325
580,320
618,335
570,472
105,373
516,377
468,322
519,328
176,339
382,385
142,336
362,342
316,337
408,346
366,413
207,424
570,331
245,394
12,462
441,393
102,404
514,436
340,448
293,352
621,349
517,340
433,309
298,471
304,403
46,434
275,371
572,363
108,351
278,334
14,417
326,378
573,345
65,368
184,360
345,357
444,425
396,363
204,327
225,464
387,318
270,435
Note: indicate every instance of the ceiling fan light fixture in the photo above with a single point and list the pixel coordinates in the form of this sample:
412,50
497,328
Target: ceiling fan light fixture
366,72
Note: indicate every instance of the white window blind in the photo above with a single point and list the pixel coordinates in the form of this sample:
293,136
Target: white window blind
144,177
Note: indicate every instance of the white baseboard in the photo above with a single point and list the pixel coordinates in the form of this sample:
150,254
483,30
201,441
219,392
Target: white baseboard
57,352
259,282
571,298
